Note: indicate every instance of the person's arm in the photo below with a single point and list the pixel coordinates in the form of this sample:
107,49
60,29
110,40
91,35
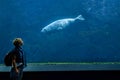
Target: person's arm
14,64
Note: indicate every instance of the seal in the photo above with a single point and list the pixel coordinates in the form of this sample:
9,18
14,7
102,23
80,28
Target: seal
61,24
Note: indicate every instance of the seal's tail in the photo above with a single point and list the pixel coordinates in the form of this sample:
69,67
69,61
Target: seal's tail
80,17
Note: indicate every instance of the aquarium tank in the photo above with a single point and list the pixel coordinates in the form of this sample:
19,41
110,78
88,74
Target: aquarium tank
62,31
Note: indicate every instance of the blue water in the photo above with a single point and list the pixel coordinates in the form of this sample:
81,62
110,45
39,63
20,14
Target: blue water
97,39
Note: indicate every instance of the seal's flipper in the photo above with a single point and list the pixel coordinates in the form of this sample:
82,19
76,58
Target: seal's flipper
80,17
59,28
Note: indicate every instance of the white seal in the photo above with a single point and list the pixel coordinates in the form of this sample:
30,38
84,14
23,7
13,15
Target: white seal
60,24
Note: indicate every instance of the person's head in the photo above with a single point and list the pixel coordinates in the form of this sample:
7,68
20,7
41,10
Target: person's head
17,42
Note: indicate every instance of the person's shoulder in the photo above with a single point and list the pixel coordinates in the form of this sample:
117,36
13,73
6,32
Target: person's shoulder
12,50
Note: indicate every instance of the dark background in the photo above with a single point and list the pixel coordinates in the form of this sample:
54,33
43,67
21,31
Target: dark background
94,40
65,75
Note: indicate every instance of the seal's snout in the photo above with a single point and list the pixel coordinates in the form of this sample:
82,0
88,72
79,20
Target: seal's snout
43,30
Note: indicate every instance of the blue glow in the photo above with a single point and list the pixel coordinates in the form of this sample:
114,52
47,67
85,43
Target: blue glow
97,39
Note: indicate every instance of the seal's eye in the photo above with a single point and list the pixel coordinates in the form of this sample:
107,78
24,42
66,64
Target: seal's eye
45,30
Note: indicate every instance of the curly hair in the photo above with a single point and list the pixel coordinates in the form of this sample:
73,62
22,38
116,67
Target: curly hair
17,42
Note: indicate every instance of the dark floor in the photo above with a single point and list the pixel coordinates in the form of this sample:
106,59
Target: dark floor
67,75
67,72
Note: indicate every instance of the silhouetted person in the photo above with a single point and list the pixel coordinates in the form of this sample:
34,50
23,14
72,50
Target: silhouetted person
18,60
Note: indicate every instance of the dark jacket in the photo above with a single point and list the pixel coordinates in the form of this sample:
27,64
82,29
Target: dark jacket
20,56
